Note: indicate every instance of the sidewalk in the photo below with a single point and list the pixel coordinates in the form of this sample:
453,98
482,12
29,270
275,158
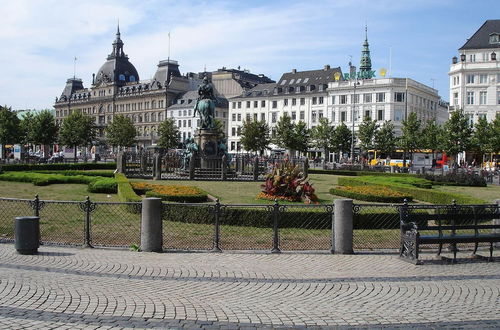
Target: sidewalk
77,288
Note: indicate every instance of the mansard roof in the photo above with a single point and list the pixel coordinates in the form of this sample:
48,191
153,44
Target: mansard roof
312,77
481,39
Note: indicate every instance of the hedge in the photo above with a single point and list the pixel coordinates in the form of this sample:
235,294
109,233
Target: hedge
359,173
426,195
58,167
125,191
104,186
103,173
376,194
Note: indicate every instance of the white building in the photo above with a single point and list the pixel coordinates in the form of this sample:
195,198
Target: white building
475,74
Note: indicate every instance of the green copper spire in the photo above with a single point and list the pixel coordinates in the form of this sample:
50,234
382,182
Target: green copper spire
366,62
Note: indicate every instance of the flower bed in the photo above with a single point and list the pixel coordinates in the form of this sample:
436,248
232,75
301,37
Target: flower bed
371,194
172,193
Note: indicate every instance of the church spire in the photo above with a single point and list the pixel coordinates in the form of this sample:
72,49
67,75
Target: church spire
366,62
117,45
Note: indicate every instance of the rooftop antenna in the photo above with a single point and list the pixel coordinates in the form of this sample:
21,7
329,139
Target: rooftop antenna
74,67
433,80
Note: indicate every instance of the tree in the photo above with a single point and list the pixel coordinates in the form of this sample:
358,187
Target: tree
495,135
219,129
121,132
44,130
77,130
457,134
9,127
482,137
168,134
366,134
410,140
385,139
255,136
431,134
285,133
301,136
322,135
342,139
26,129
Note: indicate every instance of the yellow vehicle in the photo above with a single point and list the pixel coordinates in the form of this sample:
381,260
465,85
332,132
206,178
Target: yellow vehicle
420,158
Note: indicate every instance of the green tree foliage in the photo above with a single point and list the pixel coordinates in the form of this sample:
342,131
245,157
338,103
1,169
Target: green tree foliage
9,126
219,129
495,135
26,129
385,139
482,136
255,136
322,135
457,134
168,134
302,137
45,129
121,132
342,139
292,136
411,137
77,130
366,134
431,134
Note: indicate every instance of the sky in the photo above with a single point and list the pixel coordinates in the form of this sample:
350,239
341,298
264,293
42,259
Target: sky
40,38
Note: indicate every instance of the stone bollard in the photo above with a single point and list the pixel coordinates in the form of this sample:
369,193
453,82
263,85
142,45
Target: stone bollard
151,225
157,167
27,235
496,222
256,169
343,227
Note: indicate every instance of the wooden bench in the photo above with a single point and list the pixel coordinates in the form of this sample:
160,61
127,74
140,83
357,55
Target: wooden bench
447,224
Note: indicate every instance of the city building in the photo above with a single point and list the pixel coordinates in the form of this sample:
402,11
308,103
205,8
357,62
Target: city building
475,74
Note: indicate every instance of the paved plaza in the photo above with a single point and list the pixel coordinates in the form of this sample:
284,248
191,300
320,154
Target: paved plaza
73,288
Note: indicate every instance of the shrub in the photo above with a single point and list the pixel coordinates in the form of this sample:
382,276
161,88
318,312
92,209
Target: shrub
286,181
103,185
125,191
172,193
59,167
457,179
103,173
371,194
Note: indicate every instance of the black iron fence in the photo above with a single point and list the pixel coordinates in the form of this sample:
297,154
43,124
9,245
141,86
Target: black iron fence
209,226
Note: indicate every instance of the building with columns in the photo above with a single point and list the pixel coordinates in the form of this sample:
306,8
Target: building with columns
475,74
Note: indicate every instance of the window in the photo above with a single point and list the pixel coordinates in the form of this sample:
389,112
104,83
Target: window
470,78
482,116
294,101
380,114
275,104
239,117
333,116
302,115
255,104
498,97
455,98
470,119
343,99
367,114
470,97
333,99
399,97
398,114
249,117
354,98
320,114
121,77
367,98
274,116
380,97
314,100
233,117
189,122
234,105
320,100
248,104
239,105
294,115
494,38
255,118
285,102
472,58
483,78
262,116
302,101
262,104
313,116
482,97
343,116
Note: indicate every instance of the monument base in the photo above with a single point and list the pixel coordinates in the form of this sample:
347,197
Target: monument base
207,144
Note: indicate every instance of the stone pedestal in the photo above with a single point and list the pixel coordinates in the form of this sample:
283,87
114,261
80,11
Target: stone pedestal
207,144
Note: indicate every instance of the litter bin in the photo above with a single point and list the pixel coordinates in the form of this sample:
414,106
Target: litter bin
27,235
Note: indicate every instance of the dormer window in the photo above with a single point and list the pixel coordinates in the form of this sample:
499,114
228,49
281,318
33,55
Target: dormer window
121,77
494,38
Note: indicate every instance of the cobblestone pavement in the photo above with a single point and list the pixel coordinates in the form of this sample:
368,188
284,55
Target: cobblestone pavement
102,288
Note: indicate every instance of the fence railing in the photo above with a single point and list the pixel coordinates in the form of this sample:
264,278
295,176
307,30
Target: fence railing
209,226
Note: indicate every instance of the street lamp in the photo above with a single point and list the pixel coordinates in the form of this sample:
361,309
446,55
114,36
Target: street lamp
353,117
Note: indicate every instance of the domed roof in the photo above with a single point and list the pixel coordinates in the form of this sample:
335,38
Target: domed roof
117,68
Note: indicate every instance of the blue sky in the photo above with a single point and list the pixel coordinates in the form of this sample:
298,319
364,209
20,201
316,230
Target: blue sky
40,38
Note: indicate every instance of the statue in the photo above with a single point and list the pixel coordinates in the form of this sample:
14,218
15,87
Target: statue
222,150
191,149
205,105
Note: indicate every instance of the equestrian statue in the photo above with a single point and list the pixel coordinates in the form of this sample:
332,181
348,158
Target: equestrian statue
205,105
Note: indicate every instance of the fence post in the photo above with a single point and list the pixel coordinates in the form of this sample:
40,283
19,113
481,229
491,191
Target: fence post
151,225
144,163
497,222
343,226
224,168
157,167
217,212
256,168
306,167
332,210
276,238
191,167
88,207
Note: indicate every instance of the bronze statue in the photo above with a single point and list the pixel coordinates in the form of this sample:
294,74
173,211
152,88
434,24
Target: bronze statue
205,105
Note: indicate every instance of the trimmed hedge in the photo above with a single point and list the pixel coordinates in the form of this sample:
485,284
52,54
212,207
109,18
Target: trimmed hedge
59,167
171,193
376,194
125,191
359,173
458,179
103,173
426,195
104,186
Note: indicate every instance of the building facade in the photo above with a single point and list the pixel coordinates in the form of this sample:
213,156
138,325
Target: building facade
475,74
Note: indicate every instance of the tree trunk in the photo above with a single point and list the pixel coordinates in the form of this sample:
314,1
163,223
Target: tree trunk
75,154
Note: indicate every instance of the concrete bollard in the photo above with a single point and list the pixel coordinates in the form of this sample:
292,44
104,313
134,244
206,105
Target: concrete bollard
157,167
343,227
496,222
151,225
27,235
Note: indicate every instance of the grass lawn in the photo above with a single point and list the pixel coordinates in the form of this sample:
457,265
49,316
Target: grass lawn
489,193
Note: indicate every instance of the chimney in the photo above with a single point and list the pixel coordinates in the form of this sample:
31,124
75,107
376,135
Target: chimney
294,71
327,67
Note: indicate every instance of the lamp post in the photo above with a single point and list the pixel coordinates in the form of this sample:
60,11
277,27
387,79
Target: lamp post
353,117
